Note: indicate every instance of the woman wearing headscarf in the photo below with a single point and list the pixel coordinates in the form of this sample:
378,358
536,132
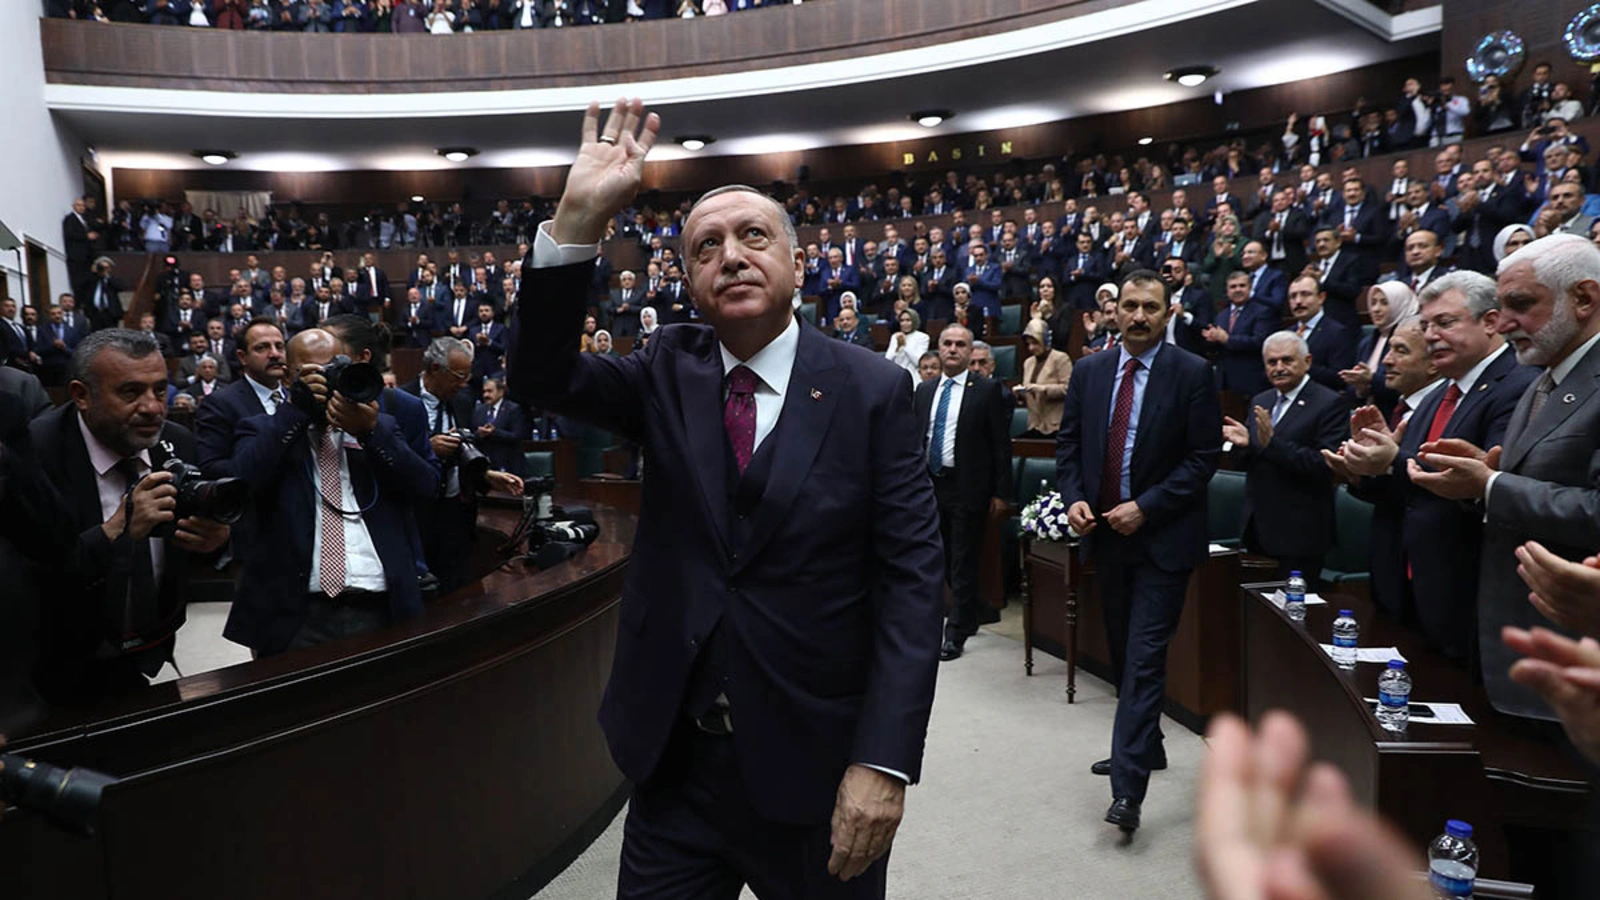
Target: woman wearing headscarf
1389,304
649,324
1225,254
1045,373
602,343
908,343
1511,239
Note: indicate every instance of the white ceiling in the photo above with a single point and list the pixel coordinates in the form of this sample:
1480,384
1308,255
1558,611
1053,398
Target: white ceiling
1288,40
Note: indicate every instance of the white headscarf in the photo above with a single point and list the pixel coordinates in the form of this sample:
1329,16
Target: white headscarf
1504,236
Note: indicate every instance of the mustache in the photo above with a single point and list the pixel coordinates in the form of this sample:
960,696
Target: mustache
1519,335
746,276
1436,346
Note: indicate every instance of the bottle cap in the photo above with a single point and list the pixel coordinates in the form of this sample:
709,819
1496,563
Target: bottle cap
1347,614
1294,573
1397,664
1458,828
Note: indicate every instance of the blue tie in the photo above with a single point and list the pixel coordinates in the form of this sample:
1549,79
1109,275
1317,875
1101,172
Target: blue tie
936,445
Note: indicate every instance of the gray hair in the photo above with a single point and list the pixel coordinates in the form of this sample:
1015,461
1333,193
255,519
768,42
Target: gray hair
1286,337
135,344
1560,261
440,348
976,345
1477,290
777,209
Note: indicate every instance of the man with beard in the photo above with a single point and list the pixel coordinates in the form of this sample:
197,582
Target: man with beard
104,452
1540,484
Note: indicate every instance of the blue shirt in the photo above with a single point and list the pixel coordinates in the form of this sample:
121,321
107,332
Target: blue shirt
1141,378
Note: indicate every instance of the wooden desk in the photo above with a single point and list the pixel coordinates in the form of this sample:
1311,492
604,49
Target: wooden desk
454,756
1063,616
1493,773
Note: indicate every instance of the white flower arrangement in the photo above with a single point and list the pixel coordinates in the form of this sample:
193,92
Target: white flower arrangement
1045,519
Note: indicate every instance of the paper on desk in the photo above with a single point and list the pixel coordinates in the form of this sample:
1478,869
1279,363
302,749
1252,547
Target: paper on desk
1379,655
1429,713
1218,548
1278,599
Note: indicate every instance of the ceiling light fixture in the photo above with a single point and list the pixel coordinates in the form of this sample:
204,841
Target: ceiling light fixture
694,141
1192,76
1146,141
931,118
416,198
215,157
457,154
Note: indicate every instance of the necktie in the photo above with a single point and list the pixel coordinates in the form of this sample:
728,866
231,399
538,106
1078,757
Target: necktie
1233,317
1117,438
739,415
941,420
277,399
1541,393
1325,265
1447,408
438,419
331,556
1279,408
1398,415
1300,329
139,600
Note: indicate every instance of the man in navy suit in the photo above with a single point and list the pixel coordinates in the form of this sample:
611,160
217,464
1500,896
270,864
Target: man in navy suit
983,279
500,427
779,633
1268,286
1240,329
1461,315
1361,221
1140,434
1343,276
57,340
836,279
488,339
1085,271
1192,311
316,574
1184,245
1332,346
1221,195
371,284
263,385
1288,490
1132,251
1421,266
414,319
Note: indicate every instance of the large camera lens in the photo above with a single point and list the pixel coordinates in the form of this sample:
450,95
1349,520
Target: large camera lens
68,797
355,381
221,499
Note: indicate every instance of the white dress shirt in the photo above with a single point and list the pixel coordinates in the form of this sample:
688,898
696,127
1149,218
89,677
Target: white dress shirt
264,394
452,481
363,570
958,390
110,486
1413,401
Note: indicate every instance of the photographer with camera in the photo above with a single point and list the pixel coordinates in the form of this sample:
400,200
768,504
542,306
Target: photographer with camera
335,484
139,511
450,521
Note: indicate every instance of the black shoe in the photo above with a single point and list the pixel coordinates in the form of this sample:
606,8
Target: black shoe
950,650
1103,767
1124,814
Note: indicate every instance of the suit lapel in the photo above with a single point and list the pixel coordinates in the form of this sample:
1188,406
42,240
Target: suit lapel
1155,402
85,495
700,406
1470,400
814,389
1579,385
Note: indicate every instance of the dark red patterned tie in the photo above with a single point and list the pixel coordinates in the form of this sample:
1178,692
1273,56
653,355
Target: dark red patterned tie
739,415
1117,438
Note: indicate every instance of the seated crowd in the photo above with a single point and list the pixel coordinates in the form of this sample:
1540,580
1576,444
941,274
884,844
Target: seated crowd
391,16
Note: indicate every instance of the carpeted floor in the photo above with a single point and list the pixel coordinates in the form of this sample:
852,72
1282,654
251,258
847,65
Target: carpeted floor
1007,807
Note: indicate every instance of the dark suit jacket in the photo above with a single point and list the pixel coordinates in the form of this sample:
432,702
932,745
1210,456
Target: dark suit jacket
273,453
1333,349
1271,290
1288,500
1296,228
487,359
73,626
983,438
75,241
849,280
1080,288
1435,532
1380,394
421,333
363,286
1174,454
1202,312
831,604
109,317
504,445
1350,275
986,288
1239,361
1371,227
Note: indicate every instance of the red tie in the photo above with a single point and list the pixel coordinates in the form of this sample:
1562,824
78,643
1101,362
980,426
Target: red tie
1447,408
1397,416
739,415
330,576
1117,438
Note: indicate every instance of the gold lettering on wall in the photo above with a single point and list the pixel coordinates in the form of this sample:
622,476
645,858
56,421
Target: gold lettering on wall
956,153
933,156
980,149
1005,148
909,159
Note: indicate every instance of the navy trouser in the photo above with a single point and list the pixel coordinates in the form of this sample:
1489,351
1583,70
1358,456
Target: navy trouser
691,834
1142,604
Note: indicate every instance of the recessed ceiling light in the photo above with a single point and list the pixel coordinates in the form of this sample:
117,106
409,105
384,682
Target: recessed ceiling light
416,198
215,157
1192,76
457,154
694,141
931,118
1146,141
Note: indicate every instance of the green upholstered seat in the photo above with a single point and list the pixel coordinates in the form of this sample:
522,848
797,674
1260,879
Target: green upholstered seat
1349,560
539,462
1011,319
809,311
1019,421
1225,508
869,319
1005,362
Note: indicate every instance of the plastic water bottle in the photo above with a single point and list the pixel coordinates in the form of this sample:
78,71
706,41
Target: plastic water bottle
1294,597
1394,697
1453,862
1346,634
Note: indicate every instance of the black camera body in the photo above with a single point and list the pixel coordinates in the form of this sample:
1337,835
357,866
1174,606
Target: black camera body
473,464
219,499
357,382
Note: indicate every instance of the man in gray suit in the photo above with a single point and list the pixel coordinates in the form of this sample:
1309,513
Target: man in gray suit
1563,212
1544,483
622,309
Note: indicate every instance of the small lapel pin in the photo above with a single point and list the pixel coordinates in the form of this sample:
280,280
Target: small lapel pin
1483,387
1569,398
1300,403
816,394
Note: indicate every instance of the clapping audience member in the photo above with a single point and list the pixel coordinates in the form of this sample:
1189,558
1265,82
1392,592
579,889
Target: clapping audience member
908,342
500,426
1045,375
1388,304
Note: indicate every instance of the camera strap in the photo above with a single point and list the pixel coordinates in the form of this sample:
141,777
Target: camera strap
337,503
